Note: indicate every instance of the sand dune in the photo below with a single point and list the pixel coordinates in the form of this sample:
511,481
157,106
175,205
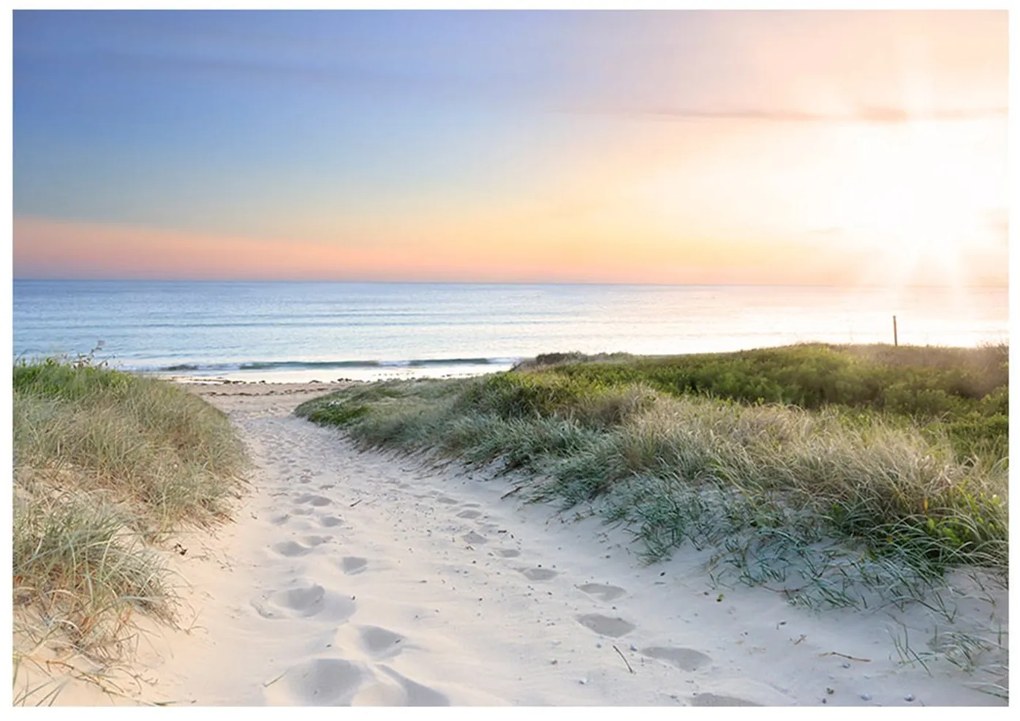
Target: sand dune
363,579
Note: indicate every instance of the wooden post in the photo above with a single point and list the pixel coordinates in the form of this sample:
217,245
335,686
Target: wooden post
895,337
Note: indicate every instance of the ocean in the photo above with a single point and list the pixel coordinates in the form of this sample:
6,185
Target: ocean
302,331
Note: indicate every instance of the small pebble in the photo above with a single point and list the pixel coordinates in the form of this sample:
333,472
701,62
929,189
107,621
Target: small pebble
582,681
909,697
865,697
846,664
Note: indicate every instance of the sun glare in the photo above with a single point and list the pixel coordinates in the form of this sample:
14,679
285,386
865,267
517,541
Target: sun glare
917,196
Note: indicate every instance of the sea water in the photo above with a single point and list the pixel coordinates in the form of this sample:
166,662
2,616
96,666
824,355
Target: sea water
278,331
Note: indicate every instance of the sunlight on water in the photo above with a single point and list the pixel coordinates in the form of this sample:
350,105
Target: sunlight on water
324,331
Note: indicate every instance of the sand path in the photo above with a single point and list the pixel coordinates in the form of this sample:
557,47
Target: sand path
358,578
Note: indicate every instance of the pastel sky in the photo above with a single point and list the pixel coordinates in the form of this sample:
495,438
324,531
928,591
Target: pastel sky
596,146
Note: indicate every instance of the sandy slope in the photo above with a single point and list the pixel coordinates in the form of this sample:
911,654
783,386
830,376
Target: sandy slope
354,578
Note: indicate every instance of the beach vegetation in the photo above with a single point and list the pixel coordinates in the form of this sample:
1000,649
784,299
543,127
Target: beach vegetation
107,466
840,475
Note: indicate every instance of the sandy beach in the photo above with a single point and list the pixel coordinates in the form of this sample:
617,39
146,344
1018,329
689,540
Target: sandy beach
366,579
541,357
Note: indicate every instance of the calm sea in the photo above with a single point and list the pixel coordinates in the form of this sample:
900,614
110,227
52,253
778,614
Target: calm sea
325,331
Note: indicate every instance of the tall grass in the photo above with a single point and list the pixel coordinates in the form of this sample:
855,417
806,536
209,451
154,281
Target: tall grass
960,392
856,490
106,465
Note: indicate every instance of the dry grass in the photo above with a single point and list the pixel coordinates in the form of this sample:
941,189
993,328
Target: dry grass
106,466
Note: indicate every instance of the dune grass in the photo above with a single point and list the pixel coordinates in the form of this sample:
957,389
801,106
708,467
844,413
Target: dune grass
836,474
106,466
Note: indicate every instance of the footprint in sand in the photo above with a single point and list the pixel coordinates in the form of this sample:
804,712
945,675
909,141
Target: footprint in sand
447,500
330,521
539,574
603,591
319,682
290,549
507,552
415,693
686,659
352,564
279,519
470,513
313,499
604,625
712,699
381,642
314,541
305,602
472,537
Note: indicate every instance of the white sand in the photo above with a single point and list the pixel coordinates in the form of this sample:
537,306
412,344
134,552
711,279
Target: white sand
357,578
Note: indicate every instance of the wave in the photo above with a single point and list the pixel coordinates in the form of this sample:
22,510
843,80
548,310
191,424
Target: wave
337,364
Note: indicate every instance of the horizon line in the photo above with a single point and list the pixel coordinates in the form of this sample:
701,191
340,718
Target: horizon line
406,281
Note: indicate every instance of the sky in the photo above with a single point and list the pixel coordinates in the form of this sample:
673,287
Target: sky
767,147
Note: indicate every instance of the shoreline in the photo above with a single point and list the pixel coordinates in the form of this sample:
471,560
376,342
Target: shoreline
322,376
367,578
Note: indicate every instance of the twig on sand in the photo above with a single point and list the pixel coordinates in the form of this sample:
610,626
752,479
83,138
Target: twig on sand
843,655
511,492
267,684
356,502
623,657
